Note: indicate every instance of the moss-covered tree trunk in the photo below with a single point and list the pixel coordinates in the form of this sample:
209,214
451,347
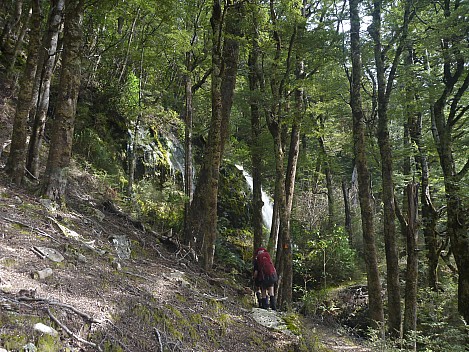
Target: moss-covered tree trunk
50,54
457,224
255,86
385,86
376,315
188,114
347,212
411,277
58,162
224,67
16,162
13,31
429,214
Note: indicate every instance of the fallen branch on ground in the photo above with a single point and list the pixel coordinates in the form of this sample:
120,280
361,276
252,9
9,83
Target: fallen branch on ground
68,331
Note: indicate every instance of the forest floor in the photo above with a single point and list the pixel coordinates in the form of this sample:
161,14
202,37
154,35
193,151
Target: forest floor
112,286
86,277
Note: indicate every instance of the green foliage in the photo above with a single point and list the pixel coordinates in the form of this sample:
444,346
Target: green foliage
440,326
314,303
233,199
232,256
293,322
129,100
96,151
161,207
326,258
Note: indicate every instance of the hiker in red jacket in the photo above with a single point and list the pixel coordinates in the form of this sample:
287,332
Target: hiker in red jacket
265,277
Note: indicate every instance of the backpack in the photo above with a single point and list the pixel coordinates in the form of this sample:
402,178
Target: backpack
265,266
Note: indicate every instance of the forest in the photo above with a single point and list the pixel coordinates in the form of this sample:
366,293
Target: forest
334,133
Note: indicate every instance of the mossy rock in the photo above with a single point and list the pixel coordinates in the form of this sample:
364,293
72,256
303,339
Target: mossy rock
48,343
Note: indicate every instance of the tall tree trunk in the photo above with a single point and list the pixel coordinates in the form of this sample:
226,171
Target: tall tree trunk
62,134
224,67
23,29
286,287
328,173
281,203
255,83
17,159
376,315
429,214
230,58
384,91
49,54
188,148
448,110
132,135
411,284
129,44
15,24
348,212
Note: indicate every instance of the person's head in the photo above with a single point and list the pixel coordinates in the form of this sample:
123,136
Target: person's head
260,250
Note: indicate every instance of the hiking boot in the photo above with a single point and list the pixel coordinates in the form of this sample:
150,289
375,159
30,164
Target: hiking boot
273,305
265,303
259,299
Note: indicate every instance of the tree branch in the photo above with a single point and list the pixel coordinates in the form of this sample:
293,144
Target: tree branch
68,331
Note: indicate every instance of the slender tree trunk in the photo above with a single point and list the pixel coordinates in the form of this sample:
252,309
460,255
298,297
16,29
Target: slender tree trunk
390,240
411,283
329,185
348,212
188,149
457,219
23,29
17,159
429,214
447,113
13,30
283,248
286,288
132,155
129,43
230,57
255,82
376,314
62,135
384,91
49,58
224,67
278,129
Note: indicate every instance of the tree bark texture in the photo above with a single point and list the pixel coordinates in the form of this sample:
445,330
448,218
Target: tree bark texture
16,162
188,114
224,68
429,214
447,112
328,173
348,212
44,73
13,31
255,84
385,86
23,29
411,284
284,178
376,314
58,161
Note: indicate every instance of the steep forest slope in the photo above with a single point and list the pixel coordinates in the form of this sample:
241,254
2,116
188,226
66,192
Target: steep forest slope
113,286
104,283
87,277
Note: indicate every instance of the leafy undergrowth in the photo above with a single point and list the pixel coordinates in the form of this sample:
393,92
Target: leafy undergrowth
151,298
